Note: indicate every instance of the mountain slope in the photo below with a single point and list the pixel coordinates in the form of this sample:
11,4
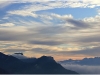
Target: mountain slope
2,71
42,65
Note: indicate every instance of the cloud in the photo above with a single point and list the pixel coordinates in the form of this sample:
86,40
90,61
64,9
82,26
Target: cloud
49,29
98,10
54,34
85,69
51,4
23,13
15,50
91,39
53,30
19,56
5,3
31,36
78,23
92,51
94,19
95,51
52,43
61,17
51,35
29,10
42,51
7,25
8,35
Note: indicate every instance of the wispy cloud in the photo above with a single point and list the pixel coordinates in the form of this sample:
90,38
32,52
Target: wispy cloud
4,3
28,10
7,25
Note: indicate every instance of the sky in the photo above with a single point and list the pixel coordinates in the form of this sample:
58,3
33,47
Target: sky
64,29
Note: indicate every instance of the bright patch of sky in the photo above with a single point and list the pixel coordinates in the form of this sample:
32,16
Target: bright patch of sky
78,13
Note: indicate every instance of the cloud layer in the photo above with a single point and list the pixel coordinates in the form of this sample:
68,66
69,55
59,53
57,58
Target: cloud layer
83,69
32,26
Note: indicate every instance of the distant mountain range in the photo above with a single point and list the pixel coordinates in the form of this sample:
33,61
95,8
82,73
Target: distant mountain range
85,61
42,65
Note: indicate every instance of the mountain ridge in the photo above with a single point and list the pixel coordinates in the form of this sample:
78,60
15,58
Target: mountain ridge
85,61
42,65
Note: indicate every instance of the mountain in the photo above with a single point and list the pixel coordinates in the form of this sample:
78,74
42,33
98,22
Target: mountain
86,61
29,60
2,71
47,65
42,65
10,63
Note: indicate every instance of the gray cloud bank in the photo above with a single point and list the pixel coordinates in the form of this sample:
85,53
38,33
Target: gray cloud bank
83,69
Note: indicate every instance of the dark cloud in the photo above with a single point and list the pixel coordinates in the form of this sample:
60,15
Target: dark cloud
88,51
15,50
43,51
41,33
47,35
11,35
51,43
78,23
53,30
50,30
7,35
91,38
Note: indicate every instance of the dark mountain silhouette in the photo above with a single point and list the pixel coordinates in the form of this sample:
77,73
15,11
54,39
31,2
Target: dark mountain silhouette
86,61
42,65
29,60
2,71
